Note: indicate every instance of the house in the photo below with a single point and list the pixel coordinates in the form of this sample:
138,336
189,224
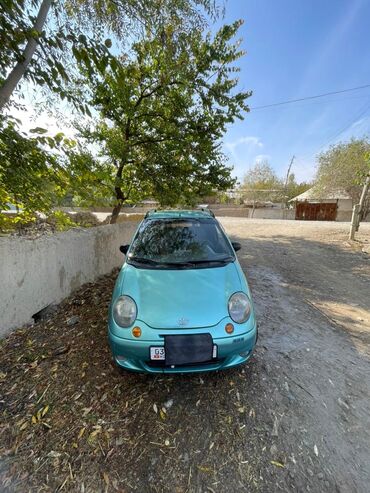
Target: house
314,205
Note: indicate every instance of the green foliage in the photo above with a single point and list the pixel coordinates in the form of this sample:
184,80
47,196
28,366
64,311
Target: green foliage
294,188
31,178
50,68
76,29
163,113
344,166
262,184
123,17
61,221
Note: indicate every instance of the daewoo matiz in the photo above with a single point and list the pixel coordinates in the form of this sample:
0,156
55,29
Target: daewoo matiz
181,302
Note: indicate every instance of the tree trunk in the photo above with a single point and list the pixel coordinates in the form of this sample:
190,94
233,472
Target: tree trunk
19,70
115,213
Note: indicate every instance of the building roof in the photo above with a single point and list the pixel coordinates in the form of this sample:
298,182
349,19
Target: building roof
314,194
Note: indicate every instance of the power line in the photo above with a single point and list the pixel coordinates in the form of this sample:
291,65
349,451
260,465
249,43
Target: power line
364,109
310,97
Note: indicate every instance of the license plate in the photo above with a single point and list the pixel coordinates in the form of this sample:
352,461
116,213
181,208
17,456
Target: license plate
159,354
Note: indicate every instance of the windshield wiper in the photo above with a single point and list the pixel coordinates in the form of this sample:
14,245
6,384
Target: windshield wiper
189,264
214,261
143,260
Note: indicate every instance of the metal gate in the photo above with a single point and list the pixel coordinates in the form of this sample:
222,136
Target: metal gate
324,211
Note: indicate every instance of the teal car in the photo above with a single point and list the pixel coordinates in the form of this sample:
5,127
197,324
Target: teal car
181,302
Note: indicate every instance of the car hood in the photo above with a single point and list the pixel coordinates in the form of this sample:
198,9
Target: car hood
168,299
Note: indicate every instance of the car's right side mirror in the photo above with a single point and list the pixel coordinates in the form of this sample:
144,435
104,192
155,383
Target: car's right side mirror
236,245
124,249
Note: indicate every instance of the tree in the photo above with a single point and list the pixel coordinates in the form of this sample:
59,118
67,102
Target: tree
74,29
23,62
41,43
31,178
293,188
345,166
163,112
261,184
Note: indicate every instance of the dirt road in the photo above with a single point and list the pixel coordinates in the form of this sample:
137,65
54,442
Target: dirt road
296,418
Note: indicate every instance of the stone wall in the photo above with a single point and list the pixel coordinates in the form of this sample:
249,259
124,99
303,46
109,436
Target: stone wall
36,273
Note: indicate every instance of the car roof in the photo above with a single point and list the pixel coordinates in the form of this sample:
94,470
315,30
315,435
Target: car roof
178,213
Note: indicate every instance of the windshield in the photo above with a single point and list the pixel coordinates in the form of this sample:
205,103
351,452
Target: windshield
187,242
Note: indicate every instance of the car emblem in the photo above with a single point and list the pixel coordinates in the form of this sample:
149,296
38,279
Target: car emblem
183,321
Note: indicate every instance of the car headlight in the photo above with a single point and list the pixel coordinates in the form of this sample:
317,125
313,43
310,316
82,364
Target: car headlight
239,307
124,311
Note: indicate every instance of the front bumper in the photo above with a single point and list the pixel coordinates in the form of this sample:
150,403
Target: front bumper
134,354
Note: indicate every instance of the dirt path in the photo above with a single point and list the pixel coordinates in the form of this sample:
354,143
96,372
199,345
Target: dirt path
296,418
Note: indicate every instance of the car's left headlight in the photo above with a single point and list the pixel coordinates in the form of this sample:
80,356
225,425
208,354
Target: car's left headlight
124,311
239,307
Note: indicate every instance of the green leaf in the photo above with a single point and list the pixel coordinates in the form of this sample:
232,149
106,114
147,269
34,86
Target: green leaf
38,130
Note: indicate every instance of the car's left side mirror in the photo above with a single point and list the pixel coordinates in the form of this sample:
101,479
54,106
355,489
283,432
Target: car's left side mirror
236,245
124,249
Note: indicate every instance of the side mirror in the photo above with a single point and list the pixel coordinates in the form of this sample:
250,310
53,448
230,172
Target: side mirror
236,245
124,249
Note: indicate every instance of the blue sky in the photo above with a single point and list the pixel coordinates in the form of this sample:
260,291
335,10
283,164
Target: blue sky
298,48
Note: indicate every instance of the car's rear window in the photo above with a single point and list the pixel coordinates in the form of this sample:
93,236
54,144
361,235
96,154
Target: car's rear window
181,240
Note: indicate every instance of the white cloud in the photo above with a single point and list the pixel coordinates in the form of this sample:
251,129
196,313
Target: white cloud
250,141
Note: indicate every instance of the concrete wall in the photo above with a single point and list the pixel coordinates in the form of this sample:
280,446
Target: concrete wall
266,213
230,211
39,272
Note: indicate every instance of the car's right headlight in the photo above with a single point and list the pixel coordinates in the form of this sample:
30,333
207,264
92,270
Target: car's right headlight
124,311
239,307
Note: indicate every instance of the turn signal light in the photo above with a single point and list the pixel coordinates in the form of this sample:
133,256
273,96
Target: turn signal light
136,332
229,328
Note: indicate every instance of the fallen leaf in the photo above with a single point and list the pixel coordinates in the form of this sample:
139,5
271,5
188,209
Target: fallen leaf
315,449
155,408
277,464
106,478
45,410
167,442
162,414
34,420
82,431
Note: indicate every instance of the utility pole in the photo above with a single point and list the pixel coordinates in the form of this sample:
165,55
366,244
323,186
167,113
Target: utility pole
358,209
286,180
288,172
362,200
